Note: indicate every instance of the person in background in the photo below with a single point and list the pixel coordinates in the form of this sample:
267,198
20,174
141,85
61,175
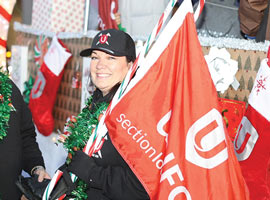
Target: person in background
18,147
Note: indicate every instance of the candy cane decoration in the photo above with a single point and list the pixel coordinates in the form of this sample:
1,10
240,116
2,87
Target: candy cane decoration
6,8
40,49
52,183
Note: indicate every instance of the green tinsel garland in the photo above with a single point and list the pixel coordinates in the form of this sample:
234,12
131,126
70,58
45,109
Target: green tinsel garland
28,85
80,129
5,103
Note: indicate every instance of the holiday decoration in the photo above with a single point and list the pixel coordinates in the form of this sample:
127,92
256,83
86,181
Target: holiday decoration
28,85
43,93
5,103
222,69
232,112
77,133
6,8
252,140
19,65
58,15
40,49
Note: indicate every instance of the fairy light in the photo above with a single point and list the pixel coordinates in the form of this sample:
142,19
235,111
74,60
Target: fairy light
54,140
8,54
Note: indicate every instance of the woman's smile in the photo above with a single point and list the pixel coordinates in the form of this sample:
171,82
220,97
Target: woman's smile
103,75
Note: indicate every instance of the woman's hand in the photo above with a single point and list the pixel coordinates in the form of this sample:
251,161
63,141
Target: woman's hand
41,172
81,165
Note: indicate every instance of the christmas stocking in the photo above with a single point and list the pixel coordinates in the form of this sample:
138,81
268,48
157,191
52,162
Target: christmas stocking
43,93
252,141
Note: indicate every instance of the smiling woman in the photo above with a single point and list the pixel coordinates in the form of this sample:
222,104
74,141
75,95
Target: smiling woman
104,174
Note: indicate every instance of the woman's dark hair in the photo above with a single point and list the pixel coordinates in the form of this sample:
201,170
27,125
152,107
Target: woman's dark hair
130,59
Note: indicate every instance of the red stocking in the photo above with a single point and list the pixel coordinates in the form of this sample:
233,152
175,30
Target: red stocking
43,94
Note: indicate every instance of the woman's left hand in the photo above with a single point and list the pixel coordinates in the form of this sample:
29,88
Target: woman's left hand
41,172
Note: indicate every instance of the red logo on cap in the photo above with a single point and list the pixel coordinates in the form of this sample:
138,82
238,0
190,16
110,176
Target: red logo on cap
103,39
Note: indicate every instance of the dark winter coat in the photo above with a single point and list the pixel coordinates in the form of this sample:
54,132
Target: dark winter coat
19,149
113,179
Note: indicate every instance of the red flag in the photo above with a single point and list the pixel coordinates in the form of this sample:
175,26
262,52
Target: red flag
167,125
252,141
106,10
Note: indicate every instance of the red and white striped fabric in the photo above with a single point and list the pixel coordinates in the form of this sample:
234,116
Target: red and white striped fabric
253,137
6,8
166,124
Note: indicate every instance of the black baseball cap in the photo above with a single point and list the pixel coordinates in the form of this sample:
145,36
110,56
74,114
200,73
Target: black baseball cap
114,42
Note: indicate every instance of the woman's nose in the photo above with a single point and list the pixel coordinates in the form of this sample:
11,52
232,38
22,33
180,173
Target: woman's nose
101,64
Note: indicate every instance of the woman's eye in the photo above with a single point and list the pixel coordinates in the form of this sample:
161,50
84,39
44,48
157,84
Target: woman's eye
111,58
93,57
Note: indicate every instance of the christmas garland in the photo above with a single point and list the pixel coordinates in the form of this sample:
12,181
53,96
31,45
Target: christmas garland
78,132
5,103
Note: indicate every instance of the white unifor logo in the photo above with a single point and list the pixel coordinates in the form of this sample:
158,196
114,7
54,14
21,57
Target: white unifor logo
245,139
205,141
162,123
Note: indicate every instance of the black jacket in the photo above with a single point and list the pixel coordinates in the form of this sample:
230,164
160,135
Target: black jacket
113,178
19,149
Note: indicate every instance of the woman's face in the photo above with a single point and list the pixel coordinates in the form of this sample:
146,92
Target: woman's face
107,70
